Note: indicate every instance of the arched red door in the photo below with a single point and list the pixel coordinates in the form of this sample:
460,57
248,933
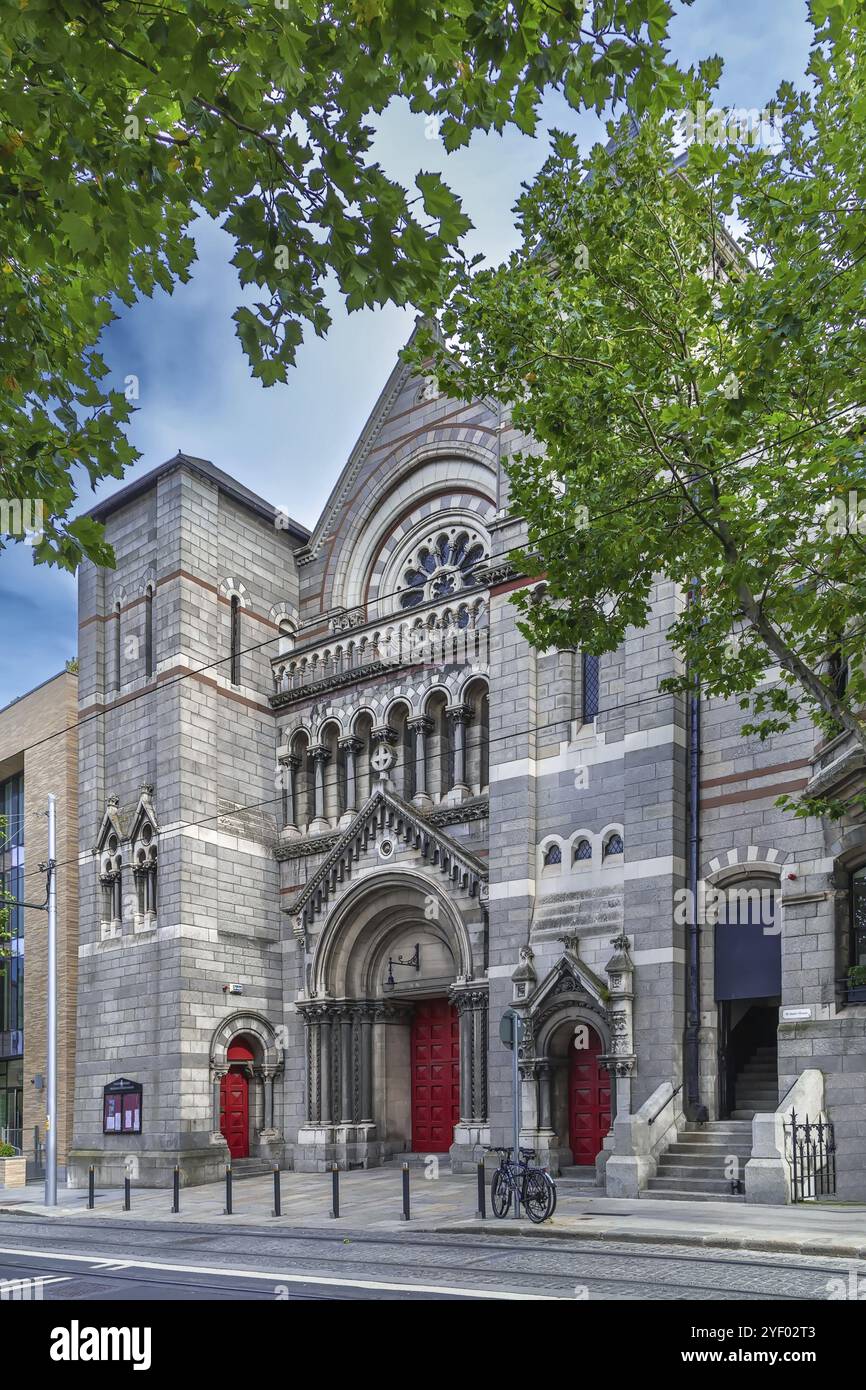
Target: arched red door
235,1101
435,1076
588,1101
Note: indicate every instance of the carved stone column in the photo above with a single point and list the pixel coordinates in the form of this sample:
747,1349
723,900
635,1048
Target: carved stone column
325,1069
545,1109
320,755
421,726
346,1107
366,1044
471,1007
458,716
217,1074
621,1059
290,767
351,747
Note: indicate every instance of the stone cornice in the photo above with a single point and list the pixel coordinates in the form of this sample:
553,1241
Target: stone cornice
308,845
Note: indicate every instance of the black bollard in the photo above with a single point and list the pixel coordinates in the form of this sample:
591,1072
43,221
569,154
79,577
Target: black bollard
227,1210
90,1188
406,1192
481,1213
126,1203
335,1191
175,1206
277,1210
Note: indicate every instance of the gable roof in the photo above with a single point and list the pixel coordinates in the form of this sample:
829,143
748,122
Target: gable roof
204,469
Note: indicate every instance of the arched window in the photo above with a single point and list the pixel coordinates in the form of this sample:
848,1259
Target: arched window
235,640
111,880
148,633
857,942
582,851
552,855
613,845
590,687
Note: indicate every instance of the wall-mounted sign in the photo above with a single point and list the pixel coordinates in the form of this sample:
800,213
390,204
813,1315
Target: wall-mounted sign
121,1107
799,1011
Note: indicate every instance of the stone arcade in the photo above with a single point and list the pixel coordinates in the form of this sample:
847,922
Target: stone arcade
337,816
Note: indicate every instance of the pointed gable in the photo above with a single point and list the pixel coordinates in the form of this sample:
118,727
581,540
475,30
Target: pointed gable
417,453
385,811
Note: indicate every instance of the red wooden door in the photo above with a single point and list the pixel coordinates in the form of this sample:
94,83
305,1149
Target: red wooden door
235,1113
435,1076
588,1101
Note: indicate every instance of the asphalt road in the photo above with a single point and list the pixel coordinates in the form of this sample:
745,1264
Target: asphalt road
102,1260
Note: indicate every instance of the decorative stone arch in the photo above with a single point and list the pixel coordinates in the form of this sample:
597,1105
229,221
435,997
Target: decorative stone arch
251,1024
594,842
328,719
381,956
352,927
550,870
466,465
119,598
234,588
614,828
441,687
148,584
737,863
749,868
569,996
284,612
265,1137
370,710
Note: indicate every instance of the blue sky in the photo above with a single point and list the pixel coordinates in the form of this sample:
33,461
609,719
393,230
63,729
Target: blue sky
289,442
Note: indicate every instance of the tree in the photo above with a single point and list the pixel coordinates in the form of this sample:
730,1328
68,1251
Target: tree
122,120
701,401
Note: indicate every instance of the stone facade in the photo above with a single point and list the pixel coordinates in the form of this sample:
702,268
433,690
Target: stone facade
387,819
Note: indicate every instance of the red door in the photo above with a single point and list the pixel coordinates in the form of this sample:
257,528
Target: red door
235,1103
435,1076
588,1101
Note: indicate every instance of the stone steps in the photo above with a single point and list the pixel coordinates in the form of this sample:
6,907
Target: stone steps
250,1168
680,1195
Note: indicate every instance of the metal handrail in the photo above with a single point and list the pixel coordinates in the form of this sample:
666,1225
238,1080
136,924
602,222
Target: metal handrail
653,1119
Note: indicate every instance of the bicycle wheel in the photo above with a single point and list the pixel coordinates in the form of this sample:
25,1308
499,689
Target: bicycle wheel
538,1197
552,1185
500,1194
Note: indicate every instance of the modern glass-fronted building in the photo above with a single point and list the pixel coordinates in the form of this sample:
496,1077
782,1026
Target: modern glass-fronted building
12,960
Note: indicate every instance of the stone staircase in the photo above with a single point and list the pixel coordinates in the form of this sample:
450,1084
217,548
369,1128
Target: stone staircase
579,1182
250,1168
757,1085
693,1169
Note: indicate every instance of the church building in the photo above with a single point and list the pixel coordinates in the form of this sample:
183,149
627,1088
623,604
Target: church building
338,818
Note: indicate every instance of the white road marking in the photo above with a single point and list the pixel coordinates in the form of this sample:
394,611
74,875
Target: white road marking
8,1286
101,1261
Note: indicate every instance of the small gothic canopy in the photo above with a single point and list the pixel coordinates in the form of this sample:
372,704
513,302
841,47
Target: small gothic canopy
111,827
570,975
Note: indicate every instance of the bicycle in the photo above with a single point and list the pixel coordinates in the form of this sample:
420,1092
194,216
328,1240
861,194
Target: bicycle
531,1187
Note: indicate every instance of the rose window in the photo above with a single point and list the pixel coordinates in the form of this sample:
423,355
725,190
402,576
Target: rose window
440,567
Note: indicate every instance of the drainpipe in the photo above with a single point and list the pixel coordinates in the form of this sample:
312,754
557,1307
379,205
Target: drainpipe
694,1109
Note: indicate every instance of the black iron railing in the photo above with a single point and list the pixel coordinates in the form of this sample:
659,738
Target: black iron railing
810,1148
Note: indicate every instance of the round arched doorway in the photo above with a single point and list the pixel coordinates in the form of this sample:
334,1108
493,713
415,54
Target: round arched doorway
588,1096
235,1098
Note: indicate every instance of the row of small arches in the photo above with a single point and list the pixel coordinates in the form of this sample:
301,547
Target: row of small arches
458,634
579,850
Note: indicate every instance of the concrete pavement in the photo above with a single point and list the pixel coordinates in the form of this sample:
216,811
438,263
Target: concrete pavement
371,1201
